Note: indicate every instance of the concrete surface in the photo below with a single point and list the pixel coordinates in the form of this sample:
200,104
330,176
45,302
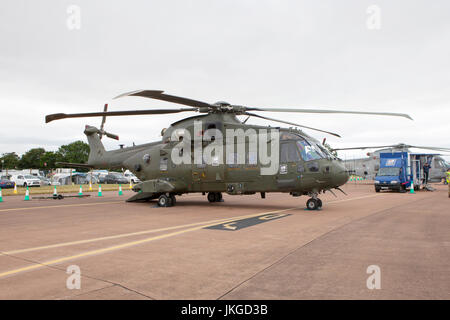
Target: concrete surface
198,250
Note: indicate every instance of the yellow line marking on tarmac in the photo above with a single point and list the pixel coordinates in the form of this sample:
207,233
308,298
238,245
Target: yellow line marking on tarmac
63,244
133,243
345,200
124,235
167,235
62,206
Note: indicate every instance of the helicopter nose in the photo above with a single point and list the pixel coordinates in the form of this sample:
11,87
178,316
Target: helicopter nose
342,174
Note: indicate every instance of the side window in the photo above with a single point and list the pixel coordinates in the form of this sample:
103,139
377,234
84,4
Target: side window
163,164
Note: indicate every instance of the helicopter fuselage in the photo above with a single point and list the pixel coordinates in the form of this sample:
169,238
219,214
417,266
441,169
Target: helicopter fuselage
303,165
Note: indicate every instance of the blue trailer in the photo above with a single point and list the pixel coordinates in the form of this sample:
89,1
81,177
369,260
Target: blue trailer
400,171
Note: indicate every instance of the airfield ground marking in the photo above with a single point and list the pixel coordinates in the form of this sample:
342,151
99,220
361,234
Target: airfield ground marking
61,206
124,235
133,243
63,244
71,205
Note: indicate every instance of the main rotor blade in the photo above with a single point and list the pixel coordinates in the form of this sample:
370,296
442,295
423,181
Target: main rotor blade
431,148
159,95
369,147
397,146
291,123
58,116
330,111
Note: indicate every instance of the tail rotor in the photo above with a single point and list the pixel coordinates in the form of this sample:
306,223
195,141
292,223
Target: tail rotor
102,131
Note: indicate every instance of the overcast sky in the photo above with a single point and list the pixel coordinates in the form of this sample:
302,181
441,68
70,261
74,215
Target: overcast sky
325,54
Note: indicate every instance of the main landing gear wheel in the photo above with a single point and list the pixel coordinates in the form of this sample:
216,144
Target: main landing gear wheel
214,197
166,201
173,199
314,204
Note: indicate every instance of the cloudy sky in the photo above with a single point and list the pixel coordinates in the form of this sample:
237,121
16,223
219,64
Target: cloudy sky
331,54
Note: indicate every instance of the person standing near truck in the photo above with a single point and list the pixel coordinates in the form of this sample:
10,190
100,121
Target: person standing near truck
426,171
448,181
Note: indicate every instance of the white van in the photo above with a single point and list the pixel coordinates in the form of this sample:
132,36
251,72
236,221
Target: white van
26,180
131,177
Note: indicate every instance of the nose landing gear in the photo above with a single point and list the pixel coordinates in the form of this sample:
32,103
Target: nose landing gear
314,203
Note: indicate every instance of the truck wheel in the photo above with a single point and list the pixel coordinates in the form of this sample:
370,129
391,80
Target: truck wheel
377,189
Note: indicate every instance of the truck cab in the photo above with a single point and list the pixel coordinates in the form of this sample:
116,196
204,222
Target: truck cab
394,173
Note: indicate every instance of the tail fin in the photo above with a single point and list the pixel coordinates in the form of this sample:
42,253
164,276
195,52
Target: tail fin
97,149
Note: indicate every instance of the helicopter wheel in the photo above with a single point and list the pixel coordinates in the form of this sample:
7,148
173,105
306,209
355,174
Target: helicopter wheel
173,200
313,204
164,201
212,197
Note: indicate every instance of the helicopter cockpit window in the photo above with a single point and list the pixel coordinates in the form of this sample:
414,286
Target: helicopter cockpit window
289,152
438,163
288,136
309,151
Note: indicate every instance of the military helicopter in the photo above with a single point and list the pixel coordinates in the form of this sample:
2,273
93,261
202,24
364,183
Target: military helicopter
369,166
303,166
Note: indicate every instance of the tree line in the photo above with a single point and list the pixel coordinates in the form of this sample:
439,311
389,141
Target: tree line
39,158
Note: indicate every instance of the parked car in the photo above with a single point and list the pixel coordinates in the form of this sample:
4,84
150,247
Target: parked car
115,178
6,184
44,181
101,177
131,177
26,180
